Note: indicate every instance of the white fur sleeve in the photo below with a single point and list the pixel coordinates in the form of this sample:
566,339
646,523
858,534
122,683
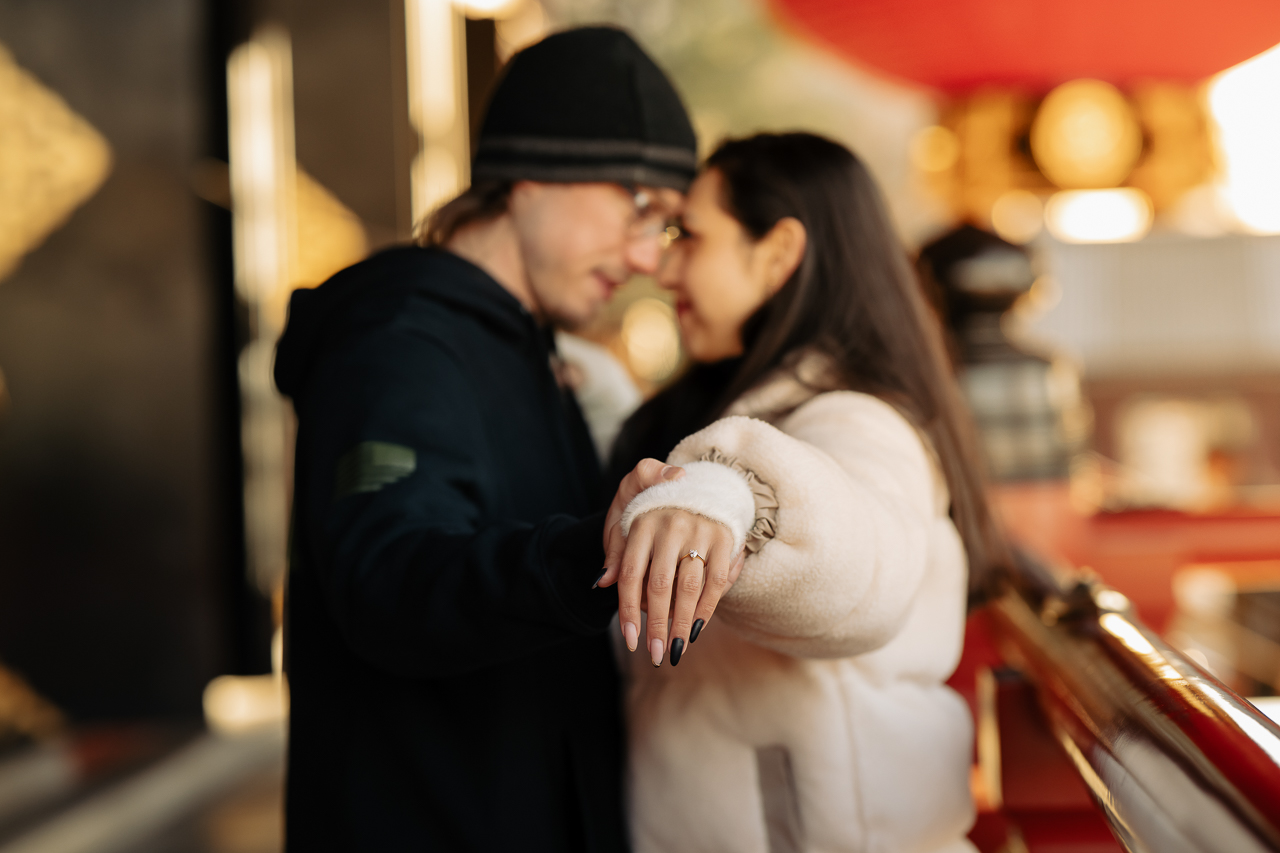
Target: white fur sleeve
856,501
708,489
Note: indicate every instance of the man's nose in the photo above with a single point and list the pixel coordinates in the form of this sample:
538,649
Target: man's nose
668,274
644,255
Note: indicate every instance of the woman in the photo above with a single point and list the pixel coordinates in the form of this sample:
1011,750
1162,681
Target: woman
822,438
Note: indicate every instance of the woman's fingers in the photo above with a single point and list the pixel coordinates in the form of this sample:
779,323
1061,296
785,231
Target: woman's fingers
657,576
723,568
662,577
690,571
632,567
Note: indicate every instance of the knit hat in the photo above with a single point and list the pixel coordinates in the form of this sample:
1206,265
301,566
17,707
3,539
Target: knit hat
586,105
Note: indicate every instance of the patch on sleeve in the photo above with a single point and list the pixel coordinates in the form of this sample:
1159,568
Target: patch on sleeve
370,465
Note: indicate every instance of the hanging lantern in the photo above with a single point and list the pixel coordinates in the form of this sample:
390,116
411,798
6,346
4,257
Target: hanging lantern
1044,97
1085,135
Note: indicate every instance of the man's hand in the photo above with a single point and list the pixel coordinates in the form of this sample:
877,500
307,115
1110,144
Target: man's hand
648,472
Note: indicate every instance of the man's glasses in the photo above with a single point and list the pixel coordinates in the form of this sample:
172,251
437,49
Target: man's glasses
649,222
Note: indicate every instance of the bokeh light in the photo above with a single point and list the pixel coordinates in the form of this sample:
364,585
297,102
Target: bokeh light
239,703
1099,216
436,55
51,161
487,8
651,339
1245,103
1018,216
1086,136
935,149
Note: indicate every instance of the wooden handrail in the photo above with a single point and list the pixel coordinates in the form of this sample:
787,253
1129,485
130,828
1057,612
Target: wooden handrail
1174,758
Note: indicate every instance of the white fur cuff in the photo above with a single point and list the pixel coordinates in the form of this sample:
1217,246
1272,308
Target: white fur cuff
708,489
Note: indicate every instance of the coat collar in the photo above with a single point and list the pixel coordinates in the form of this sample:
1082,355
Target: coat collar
783,390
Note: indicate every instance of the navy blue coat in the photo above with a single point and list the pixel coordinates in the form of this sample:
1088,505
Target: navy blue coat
452,684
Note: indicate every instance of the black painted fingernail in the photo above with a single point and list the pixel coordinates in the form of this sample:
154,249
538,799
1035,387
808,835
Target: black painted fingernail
602,574
697,629
677,649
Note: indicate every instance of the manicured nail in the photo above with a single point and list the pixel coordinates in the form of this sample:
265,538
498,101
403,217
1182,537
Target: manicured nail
677,649
602,574
655,651
694,632
630,632
671,471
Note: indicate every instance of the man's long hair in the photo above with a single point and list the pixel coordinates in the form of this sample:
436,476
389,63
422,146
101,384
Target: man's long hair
855,298
482,201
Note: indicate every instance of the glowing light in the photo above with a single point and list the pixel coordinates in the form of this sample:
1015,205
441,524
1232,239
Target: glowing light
330,236
288,230
988,737
436,43
260,118
277,652
263,207
1204,592
1124,631
1128,634
487,8
1018,216
1110,599
51,162
1244,104
1099,216
239,703
522,26
651,339
437,177
1085,135
935,149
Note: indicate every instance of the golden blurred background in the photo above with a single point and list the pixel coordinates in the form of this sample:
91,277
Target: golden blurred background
1092,191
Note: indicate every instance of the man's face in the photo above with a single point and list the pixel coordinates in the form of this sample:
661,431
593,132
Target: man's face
580,242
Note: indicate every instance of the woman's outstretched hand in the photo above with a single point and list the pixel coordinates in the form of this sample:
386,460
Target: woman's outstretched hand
656,573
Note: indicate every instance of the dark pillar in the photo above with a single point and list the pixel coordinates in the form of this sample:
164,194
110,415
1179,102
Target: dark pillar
120,556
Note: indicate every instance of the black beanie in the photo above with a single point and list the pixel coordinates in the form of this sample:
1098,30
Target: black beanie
586,105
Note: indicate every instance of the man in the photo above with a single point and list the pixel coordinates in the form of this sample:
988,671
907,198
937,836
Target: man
452,684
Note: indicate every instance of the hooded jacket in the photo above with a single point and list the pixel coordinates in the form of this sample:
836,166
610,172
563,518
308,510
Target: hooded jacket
451,684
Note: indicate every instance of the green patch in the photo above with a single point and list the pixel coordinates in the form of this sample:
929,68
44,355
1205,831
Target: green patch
370,465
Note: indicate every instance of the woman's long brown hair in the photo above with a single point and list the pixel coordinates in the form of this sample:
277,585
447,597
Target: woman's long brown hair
854,297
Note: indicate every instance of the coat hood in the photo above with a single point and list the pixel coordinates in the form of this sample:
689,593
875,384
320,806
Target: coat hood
374,292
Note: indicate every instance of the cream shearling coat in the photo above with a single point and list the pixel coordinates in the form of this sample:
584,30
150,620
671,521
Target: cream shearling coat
811,714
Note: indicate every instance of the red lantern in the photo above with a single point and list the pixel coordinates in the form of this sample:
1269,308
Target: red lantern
958,45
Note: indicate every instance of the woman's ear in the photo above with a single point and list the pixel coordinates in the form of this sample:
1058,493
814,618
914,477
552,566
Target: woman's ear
782,250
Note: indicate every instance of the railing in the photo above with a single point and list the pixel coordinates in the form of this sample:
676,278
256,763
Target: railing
1175,759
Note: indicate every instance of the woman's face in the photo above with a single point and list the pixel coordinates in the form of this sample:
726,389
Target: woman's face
719,275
